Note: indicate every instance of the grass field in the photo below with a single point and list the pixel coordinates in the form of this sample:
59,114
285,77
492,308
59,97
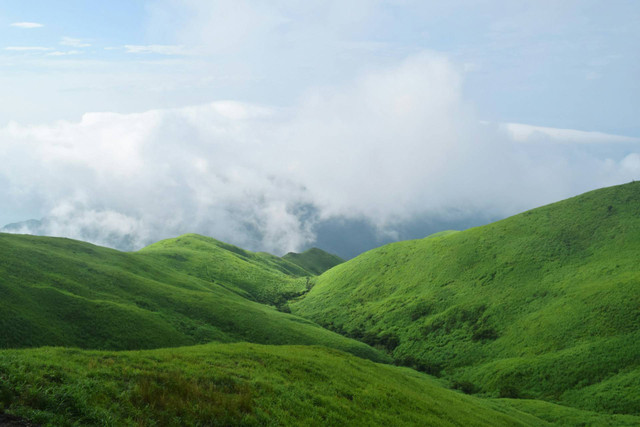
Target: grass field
60,292
255,275
247,384
529,321
545,304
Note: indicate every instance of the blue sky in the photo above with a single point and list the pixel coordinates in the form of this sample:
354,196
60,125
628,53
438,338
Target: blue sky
571,64
546,94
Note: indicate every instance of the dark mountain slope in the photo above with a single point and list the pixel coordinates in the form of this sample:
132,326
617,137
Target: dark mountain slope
314,260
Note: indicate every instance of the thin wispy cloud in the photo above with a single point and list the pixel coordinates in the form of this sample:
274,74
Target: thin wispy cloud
73,42
27,48
27,25
157,49
64,53
528,133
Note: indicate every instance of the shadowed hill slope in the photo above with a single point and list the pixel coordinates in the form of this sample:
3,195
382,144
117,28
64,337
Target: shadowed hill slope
314,260
545,304
67,293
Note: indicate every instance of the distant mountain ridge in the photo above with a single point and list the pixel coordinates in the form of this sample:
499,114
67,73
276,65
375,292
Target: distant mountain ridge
314,260
90,233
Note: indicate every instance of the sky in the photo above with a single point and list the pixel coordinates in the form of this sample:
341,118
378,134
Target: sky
282,125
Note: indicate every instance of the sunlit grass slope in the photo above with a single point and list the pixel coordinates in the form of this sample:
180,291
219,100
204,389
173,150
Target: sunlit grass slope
545,304
314,260
63,292
255,275
246,384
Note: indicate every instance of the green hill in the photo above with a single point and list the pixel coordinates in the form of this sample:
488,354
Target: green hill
536,316
60,292
248,384
544,305
314,260
258,276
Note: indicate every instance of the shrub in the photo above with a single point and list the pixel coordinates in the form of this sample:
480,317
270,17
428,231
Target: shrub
431,368
509,391
466,387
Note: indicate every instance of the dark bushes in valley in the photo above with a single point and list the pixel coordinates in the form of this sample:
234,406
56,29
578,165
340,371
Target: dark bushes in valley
484,334
384,341
431,368
421,309
466,387
473,319
509,391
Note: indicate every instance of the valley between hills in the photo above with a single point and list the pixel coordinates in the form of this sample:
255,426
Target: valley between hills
532,320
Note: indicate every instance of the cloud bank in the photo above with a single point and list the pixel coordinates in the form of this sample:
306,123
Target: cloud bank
393,146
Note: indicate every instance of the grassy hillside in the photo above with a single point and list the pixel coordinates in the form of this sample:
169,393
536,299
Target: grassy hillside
314,260
259,276
247,384
61,292
545,304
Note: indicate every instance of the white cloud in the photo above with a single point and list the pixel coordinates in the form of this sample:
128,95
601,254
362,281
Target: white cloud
27,25
631,164
217,26
396,144
526,133
70,41
27,48
158,49
64,53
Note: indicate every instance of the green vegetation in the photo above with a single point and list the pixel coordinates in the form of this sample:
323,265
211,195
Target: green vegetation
533,320
314,260
248,384
541,305
60,292
259,276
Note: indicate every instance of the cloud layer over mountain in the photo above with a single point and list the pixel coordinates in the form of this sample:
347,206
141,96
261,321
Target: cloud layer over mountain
394,145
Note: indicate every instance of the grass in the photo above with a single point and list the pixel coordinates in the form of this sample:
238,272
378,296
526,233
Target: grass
314,260
255,275
541,305
60,292
247,384
532,320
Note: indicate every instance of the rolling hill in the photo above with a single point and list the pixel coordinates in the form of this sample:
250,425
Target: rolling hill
61,292
533,320
258,276
543,305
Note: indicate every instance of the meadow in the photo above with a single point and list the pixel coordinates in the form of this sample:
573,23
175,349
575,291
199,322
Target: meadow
542,305
532,320
60,292
248,384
